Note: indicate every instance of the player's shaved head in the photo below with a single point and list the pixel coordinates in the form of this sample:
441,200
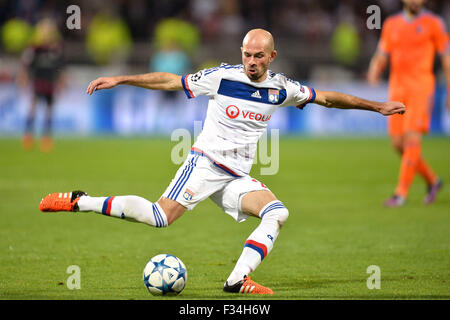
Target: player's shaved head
257,53
259,38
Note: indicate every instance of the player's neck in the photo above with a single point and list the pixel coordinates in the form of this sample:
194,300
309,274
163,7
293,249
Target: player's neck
411,15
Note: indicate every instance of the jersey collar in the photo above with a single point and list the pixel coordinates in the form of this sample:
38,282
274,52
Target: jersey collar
409,20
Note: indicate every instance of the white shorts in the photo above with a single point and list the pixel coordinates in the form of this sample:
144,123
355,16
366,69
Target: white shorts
199,178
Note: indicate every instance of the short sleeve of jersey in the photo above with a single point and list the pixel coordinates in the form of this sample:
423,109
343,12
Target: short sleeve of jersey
298,95
203,83
384,43
440,37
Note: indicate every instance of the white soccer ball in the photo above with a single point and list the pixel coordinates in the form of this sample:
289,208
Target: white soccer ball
165,274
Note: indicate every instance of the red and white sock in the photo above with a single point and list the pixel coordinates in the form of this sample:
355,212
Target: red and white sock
261,240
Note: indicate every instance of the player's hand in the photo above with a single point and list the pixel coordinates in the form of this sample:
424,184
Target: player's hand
102,83
392,107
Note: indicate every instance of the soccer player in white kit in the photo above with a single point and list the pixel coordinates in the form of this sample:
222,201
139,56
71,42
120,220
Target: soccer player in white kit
242,99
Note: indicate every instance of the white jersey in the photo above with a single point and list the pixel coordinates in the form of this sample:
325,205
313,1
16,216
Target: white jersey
239,111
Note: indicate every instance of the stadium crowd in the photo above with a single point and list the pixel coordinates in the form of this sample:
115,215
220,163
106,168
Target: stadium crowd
335,30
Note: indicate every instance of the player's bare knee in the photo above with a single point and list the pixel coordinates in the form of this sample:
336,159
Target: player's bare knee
397,144
398,147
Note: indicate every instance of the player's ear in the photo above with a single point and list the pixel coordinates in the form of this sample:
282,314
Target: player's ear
273,55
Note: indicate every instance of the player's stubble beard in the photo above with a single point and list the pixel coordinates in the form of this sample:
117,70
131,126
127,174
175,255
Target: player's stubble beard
257,75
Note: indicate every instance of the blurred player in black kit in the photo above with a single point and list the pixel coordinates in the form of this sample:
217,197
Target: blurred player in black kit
42,63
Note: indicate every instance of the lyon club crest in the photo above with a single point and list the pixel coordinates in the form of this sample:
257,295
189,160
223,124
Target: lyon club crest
188,194
274,95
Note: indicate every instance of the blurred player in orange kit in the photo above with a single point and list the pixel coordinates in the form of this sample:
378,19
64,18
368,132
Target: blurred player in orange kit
409,41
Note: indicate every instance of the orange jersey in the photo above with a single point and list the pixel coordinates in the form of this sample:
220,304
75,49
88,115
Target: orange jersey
411,46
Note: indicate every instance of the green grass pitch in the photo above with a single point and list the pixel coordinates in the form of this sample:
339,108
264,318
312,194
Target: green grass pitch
333,187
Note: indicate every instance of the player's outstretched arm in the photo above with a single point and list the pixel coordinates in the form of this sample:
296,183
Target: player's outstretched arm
378,64
332,99
154,81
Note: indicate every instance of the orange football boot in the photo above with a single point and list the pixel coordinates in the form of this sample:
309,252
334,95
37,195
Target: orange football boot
27,141
62,201
46,144
247,286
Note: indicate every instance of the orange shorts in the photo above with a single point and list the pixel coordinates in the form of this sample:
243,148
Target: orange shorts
417,118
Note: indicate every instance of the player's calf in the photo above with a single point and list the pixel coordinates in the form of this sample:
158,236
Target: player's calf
260,242
125,207
133,207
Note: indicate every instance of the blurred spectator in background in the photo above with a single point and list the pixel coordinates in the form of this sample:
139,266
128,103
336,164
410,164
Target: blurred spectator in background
108,43
108,38
42,63
345,42
206,15
16,35
174,43
231,20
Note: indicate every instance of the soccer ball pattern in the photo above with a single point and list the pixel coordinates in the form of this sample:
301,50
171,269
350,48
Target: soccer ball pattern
165,274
